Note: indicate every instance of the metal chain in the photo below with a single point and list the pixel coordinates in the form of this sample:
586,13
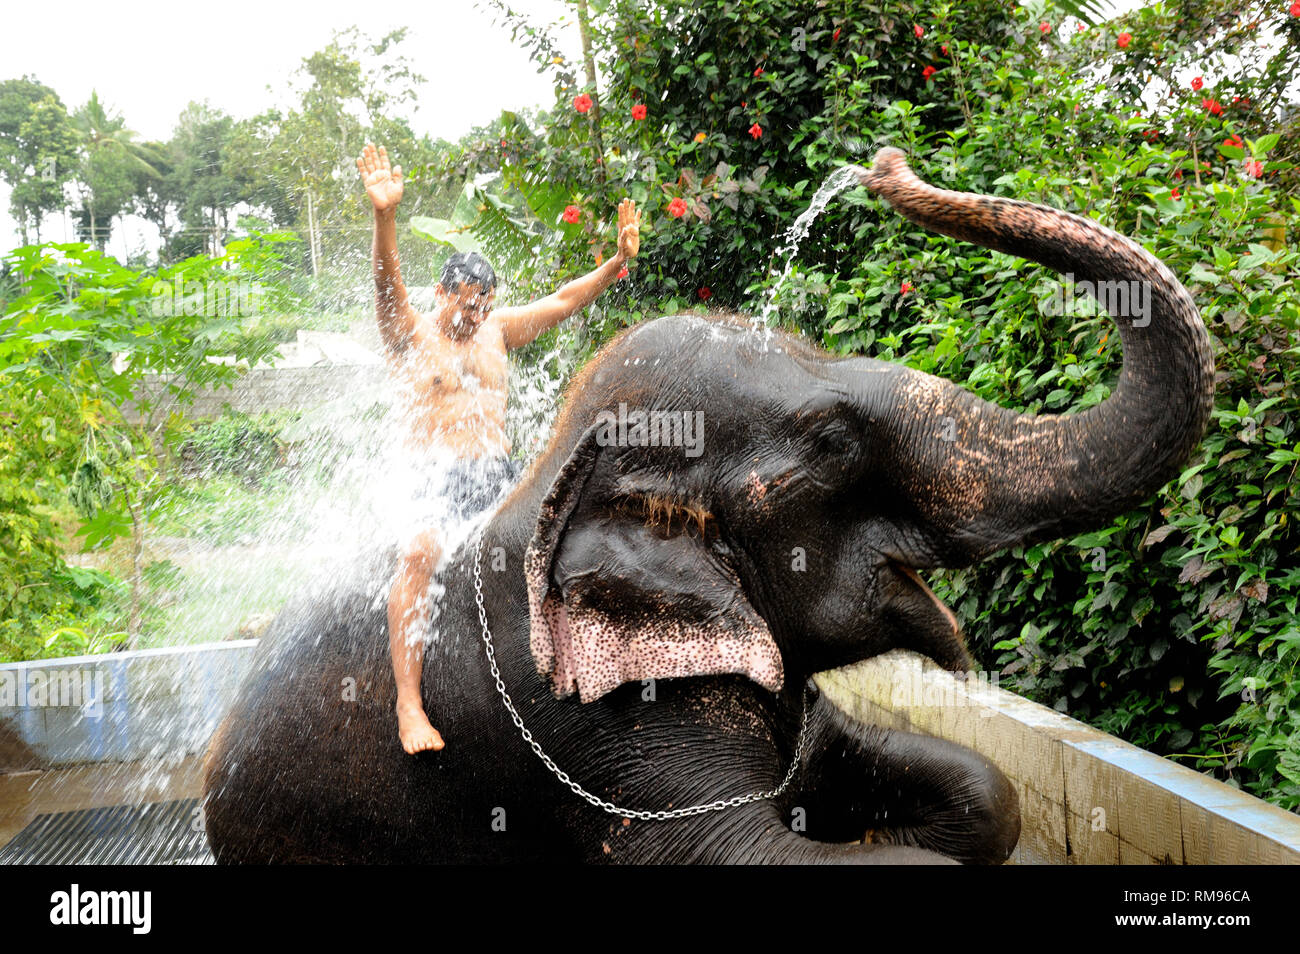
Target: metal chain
577,789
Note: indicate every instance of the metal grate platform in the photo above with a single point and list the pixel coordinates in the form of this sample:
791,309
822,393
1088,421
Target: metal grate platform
159,833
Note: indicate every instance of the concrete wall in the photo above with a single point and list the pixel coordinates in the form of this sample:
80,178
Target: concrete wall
272,389
117,707
1085,797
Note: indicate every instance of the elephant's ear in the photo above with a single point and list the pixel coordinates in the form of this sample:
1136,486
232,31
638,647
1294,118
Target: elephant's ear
635,586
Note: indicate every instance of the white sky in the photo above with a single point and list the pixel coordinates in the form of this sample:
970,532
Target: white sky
149,59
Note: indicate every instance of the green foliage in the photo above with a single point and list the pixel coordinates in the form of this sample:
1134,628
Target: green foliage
248,447
47,608
299,166
75,347
707,76
30,437
110,159
38,150
1175,625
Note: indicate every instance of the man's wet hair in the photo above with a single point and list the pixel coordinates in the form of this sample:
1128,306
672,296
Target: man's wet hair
468,268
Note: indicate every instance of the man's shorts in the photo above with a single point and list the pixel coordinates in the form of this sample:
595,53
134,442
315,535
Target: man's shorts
466,488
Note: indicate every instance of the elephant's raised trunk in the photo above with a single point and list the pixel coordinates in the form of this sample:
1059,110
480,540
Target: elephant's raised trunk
981,477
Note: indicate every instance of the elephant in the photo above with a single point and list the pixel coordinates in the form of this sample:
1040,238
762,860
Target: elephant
623,673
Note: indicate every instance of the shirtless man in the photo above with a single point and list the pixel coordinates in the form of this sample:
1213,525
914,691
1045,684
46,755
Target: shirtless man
452,363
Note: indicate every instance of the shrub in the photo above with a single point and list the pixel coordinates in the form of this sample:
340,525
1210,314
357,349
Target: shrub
248,447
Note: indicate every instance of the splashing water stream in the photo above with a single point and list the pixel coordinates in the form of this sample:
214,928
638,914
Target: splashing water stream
835,183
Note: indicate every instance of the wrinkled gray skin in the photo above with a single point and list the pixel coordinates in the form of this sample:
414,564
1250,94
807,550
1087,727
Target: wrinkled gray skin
842,460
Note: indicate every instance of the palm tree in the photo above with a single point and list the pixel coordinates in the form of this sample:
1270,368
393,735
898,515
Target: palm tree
1089,11
111,154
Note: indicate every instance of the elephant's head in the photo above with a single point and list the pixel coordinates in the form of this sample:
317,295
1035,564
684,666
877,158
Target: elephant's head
727,499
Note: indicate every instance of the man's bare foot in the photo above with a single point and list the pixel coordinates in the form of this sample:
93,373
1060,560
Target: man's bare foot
416,732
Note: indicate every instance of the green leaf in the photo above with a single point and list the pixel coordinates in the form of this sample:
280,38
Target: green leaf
1263,145
105,527
442,232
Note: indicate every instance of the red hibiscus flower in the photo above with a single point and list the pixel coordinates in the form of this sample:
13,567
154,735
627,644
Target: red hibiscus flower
572,213
582,103
1234,141
623,273
905,288
1123,40
704,293
928,72
1213,105
1044,27
1295,9
1197,82
1254,168
638,111
758,71
677,208
836,35
918,30
1173,194
756,130
944,48
503,143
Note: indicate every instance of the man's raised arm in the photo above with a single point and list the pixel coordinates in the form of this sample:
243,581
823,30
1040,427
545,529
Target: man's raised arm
392,307
522,324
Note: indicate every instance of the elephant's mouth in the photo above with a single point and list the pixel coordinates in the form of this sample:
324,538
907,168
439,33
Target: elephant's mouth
922,621
940,606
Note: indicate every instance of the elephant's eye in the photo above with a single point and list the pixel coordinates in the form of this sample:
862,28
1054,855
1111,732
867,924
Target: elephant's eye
836,439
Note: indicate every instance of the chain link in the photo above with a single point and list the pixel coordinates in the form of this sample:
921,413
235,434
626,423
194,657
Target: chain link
577,789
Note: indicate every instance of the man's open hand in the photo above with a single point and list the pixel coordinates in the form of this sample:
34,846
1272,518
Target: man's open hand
383,183
629,229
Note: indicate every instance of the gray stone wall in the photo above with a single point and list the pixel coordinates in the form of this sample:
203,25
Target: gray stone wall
273,389
117,707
